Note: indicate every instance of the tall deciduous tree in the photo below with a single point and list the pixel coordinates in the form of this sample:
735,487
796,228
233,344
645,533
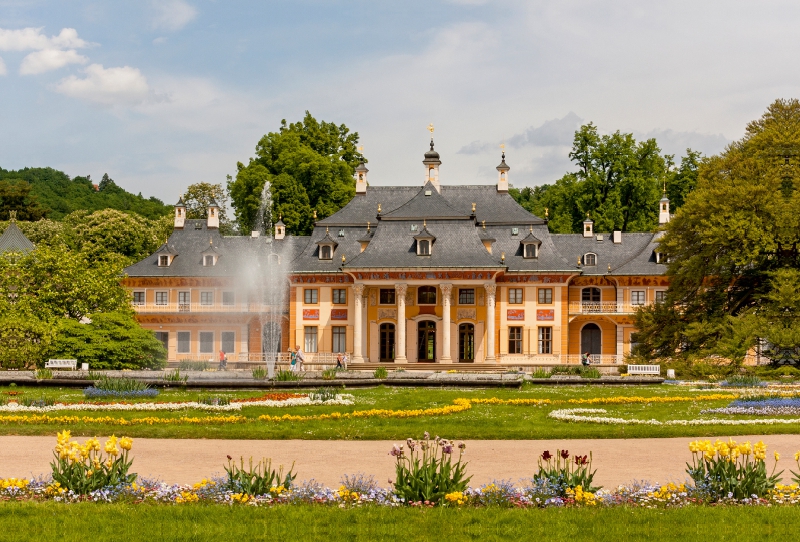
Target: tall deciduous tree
15,196
309,166
733,248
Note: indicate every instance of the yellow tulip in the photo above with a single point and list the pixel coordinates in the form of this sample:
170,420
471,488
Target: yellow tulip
777,456
125,443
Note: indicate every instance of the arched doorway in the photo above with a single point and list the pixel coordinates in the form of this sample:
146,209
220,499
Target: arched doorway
466,342
426,341
591,340
387,342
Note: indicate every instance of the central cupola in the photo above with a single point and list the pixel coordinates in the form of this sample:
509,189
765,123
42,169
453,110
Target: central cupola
432,163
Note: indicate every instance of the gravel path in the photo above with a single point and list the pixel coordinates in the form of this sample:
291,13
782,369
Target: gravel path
618,461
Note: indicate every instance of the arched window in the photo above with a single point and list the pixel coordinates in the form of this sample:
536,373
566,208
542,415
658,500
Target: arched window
424,247
590,259
426,295
430,174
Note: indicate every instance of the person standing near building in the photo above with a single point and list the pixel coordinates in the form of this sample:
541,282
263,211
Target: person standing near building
223,361
301,359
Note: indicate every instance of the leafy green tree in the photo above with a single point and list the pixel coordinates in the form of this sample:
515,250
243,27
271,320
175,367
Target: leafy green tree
309,166
109,232
618,183
26,340
110,341
733,250
15,196
197,198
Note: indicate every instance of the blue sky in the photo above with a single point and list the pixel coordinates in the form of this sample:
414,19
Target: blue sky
162,94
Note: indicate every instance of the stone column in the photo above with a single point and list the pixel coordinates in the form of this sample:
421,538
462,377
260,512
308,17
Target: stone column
358,355
400,335
491,290
446,290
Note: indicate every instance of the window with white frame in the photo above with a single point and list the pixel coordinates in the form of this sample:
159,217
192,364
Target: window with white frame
637,297
206,342
515,296
424,247
590,259
227,341
310,296
184,342
138,298
545,340
184,301
310,339
206,298
466,296
515,340
339,339
545,296
163,261
208,260
228,299
162,298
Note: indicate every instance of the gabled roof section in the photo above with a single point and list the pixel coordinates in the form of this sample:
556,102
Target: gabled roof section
13,240
490,205
428,203
633,256
530,238
328,240
364,208
425,234
166,249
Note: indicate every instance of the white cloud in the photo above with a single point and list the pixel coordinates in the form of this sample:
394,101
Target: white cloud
160,40
32,38
107,86
3,70
172,14
49,59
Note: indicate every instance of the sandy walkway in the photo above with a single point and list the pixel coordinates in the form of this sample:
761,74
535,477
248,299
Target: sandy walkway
617,461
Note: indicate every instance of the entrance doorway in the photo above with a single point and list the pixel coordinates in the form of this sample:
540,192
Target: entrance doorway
387,342
591,340
426,341
466,343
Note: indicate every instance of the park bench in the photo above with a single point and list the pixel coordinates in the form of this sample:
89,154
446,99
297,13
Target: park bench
644,370
70,364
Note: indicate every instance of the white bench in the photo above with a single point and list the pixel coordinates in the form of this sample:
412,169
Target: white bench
70,364
644,370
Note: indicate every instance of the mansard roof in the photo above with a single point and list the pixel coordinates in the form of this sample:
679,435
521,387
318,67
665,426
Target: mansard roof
633,256
428,203
13,240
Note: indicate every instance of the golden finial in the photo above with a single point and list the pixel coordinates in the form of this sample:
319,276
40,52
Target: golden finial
531,230
473,208
579,261
609,268
665,187
483,223
379,208
280,218
343,258
424,223
367,225
430,129
315,214
587,215
326,230
503,257
361,148
546,213
211,242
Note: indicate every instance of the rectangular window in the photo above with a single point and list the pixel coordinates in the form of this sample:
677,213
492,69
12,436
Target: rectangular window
206,342
163,261
545,340
208,260
138,298
206,298
515,340
228,299
227,339
184,300
637,297
545,296
162,298
163,337
387,296
661,296
466,296
184,342
339,339
310,339
339,296
310,296
515,296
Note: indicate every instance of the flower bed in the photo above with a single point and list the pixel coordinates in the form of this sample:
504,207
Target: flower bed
591,415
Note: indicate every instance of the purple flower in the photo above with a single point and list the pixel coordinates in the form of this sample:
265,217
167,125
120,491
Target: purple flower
547,455
426,435
564,454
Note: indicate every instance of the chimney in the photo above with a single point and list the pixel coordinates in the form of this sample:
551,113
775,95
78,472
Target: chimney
616,237
588,227
213,215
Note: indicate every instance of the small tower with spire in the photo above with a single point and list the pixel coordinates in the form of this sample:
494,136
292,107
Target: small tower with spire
361,178
213,215
280,228
180,214
663,208
588,227
432,163
502,172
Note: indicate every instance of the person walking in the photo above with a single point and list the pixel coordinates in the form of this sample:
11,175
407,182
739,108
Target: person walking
585,360
301,359
339,361
223,361
292,361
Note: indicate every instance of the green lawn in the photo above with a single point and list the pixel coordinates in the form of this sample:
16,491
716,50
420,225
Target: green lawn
79,522
481,422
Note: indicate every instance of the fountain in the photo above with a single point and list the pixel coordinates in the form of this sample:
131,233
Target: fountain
267,279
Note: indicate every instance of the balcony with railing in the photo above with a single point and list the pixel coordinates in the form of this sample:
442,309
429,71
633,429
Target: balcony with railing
201,307
602,307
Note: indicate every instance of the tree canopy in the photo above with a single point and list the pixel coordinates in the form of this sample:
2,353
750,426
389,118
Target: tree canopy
733,251
309,166
618,182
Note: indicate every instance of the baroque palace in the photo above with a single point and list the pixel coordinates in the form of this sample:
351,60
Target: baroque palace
407,274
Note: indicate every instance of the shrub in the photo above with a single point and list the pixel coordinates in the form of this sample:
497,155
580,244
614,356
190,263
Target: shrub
590,372
120,384
94,375
323,394
259,373
743,381
563,474
287,376
573,370
83,468
540,373
729,470
43,374
175,376
358,483
193,365
381,372
426,473
329,374
261,480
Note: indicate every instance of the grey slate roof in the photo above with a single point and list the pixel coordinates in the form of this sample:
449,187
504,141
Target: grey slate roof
428,203
457,245
550,256
363,208
13,240
633,256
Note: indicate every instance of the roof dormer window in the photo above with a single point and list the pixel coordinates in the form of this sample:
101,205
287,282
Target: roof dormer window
424,240
424,247
326,252
530,245
327,246
209,260
164,260
590,258
530,250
